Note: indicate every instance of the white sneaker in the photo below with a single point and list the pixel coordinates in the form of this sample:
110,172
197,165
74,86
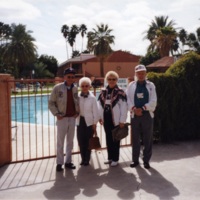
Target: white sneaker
113,164
107,162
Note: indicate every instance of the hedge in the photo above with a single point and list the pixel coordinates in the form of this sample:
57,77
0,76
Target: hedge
177,116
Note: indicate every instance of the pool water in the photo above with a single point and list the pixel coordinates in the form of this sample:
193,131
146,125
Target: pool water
32,109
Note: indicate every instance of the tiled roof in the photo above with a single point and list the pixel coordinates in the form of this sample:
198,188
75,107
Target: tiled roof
163,62
122,56
81,58
116,56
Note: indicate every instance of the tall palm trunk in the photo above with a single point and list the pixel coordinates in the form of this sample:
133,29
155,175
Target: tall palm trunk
101,67
67,50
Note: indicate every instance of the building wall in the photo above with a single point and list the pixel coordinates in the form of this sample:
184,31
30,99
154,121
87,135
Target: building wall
91,68
124,69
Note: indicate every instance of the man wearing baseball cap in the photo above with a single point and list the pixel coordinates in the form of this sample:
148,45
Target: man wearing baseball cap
63,103
142,100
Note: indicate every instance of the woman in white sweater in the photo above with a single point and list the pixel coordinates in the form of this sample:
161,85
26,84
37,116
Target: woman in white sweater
87,120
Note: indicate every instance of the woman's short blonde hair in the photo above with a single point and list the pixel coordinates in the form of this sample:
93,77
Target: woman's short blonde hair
85,80
111,73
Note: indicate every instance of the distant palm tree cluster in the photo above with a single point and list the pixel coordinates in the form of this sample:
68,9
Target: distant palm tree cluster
99,41
17,47
165,39
18,54
70,36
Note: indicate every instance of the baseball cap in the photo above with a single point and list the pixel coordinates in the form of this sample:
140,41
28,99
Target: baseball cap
139,68
69,71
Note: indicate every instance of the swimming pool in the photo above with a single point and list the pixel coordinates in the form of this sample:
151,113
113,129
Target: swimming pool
31,109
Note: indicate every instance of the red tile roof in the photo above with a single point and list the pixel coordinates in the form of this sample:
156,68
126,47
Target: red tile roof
79,59
116,56
163,62
122,56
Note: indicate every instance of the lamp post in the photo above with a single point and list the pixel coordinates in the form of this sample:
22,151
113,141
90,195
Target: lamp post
33,73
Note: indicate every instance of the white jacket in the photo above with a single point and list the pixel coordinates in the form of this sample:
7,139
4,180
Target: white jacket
151,105
89,107
119,112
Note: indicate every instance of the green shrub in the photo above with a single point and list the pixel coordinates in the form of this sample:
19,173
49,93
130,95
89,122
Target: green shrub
177,116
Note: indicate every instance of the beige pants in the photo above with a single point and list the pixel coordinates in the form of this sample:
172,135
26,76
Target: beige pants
65,128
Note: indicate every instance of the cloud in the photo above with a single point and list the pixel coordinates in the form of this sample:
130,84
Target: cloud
41,45
129,19
128,22
18,10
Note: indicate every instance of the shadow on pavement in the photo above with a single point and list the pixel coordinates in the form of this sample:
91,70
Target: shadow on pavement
65,186
175,151
152,182
124,183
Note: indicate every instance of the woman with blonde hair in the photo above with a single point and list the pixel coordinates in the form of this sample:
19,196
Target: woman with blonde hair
113,109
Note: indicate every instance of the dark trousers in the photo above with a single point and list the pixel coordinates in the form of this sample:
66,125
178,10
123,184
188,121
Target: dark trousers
112,147
84,133
144,125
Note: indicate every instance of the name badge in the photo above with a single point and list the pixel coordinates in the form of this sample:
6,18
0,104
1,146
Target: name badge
108,102
140,95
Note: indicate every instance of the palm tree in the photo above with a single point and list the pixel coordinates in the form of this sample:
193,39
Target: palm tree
164,40
72,35
159,22
5,33
154,27
82,30
194,41
183,38
41,71
99,42
65,32
20,50
75,54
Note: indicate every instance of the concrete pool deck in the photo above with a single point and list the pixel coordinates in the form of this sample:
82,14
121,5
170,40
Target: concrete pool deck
174,175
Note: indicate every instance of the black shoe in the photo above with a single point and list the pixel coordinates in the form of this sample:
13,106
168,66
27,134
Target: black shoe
59,168
134,164
70,166
82,163
146,165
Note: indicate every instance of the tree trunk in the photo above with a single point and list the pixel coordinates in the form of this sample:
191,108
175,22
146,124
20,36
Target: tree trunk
101,68
67,50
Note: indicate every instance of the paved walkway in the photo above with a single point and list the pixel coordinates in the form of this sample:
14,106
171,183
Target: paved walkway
175,174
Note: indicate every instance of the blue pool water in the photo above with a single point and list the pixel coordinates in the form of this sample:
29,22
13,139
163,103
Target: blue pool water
32,109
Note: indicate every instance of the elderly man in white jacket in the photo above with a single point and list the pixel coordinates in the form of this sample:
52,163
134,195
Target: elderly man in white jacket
87,120
142,100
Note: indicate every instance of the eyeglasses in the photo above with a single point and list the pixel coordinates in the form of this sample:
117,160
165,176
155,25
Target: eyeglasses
84,86
112,79
72,77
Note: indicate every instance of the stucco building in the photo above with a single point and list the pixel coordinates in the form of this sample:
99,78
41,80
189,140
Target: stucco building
88,65
162,64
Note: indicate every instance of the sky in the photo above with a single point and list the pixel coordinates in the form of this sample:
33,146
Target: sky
129,19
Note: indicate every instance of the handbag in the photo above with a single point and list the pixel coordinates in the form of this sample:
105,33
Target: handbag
120,133
94,142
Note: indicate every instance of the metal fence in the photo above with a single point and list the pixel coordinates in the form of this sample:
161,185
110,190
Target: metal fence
33,126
